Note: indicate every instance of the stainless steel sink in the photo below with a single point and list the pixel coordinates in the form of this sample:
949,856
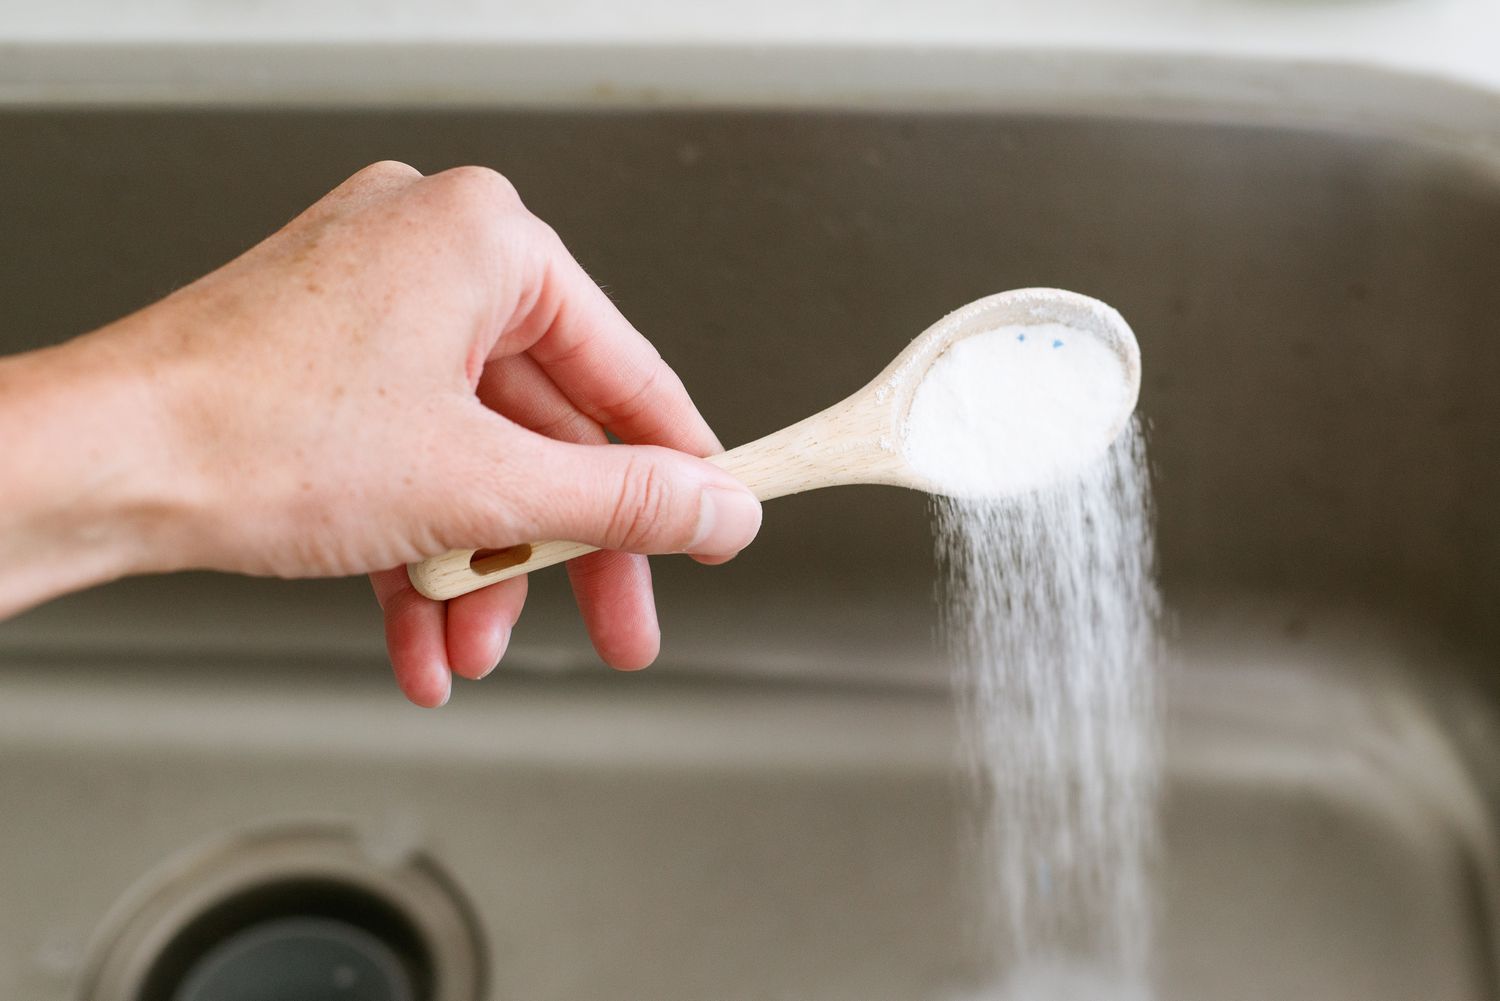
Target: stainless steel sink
772,812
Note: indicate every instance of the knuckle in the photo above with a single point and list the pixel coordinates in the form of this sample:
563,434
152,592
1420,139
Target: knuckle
481,188
641,506
388,170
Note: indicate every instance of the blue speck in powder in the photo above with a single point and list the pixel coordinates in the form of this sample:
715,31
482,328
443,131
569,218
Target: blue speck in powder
1057,344
1020,337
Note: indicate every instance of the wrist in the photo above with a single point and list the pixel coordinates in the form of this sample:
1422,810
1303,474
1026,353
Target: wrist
95,490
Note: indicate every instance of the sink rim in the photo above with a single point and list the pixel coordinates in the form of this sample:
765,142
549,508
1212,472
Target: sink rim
1327,93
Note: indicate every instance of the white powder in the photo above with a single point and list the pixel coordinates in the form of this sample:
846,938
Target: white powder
1049,615
1014,408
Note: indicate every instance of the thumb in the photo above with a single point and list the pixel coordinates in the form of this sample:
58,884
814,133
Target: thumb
640,499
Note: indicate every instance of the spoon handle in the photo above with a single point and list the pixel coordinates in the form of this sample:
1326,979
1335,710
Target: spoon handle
816,452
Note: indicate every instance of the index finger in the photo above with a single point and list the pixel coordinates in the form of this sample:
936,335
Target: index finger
602,364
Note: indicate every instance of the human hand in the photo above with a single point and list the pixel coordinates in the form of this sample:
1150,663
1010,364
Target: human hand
410,366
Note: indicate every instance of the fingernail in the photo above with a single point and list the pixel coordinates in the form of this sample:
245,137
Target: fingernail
727,520
499,643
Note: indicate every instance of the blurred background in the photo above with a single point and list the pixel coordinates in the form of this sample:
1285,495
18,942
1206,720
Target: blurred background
1296,204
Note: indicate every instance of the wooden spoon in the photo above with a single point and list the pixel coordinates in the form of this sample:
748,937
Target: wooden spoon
860,440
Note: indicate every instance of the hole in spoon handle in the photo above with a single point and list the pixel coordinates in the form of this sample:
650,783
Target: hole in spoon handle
484,561
463,570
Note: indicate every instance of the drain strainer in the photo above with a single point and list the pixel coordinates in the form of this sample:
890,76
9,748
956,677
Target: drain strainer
310,911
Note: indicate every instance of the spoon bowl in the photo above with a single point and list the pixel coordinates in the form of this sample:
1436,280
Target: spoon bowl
861,439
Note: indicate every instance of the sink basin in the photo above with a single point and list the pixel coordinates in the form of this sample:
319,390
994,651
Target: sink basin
772,811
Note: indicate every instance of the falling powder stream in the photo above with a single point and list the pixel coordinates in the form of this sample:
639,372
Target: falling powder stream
1049,614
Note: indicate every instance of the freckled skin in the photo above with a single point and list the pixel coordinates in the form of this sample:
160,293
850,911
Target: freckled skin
412,365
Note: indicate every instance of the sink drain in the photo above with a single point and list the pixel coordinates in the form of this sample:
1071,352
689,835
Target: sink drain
284,914
296,958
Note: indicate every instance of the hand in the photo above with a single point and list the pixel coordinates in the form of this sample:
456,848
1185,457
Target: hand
414,365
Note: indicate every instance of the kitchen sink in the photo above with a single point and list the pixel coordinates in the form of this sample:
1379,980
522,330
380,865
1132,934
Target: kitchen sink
775,811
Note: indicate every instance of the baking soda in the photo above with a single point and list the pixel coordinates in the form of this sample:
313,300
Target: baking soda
1032,403
1049,613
